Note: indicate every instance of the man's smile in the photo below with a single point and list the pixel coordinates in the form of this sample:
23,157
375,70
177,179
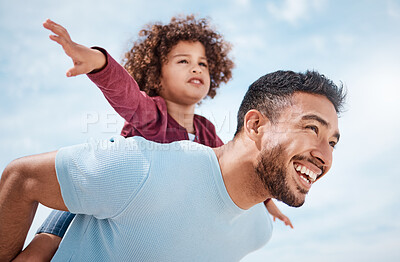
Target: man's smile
308,176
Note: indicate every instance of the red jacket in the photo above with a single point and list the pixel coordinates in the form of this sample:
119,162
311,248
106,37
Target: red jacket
146,116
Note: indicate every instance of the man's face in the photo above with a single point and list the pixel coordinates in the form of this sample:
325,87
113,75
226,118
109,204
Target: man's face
297,150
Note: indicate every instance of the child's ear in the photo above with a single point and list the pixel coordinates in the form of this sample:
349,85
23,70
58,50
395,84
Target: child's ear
253,123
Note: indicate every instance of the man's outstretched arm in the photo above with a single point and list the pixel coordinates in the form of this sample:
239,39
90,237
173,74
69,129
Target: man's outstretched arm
25,182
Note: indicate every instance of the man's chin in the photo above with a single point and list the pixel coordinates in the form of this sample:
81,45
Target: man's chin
294,202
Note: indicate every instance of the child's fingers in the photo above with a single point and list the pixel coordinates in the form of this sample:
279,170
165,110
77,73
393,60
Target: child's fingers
63,42
60,41
288,222
50,25
47,24
56,29
55,38
78,69
72,72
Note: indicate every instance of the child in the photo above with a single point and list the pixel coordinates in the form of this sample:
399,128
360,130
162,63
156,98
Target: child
175,66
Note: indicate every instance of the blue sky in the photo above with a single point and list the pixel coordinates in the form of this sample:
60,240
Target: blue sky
350,215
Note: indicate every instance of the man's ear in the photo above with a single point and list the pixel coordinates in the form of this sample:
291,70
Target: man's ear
253,123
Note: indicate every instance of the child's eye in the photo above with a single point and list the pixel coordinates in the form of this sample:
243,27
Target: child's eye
313,128
184,61
203,64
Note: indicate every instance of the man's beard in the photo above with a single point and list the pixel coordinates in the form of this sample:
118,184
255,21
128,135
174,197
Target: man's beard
272,171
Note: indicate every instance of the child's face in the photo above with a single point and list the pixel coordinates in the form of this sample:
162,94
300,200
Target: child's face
185,78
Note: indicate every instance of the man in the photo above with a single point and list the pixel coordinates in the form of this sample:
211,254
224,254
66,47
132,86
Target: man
137,200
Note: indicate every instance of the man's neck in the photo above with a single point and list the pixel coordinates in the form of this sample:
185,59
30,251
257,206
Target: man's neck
237,168
183,114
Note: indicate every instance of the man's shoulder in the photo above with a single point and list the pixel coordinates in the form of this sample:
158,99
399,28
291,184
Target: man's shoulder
185,147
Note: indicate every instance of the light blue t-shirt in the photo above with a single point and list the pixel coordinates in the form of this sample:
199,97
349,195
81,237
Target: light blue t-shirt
138,200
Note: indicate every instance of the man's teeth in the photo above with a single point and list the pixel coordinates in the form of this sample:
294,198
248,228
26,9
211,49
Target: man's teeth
313,176
305,171
305,179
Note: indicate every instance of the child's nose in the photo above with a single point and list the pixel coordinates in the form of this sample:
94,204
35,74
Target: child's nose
196,69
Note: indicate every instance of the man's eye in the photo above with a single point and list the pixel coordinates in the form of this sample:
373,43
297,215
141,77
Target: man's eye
313,128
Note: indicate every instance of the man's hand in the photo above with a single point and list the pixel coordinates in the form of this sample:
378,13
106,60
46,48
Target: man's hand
84,58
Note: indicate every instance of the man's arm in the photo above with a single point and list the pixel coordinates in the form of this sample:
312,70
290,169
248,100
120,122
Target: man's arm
48,237
42,248
25,182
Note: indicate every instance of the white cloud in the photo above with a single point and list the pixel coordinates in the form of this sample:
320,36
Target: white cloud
344,41
318,42
243,3
293,11
372,119
341,218
393,9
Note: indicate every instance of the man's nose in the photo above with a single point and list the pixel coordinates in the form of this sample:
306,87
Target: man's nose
323,154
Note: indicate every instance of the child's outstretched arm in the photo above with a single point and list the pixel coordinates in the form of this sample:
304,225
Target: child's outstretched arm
276,213
84,58
44,245
148,116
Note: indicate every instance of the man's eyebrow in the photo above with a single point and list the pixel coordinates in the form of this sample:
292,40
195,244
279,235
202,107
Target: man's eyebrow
321,121
316,118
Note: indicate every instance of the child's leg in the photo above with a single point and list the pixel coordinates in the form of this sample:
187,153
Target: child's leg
56,223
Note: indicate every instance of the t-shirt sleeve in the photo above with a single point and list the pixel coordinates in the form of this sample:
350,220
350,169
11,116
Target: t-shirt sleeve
101,177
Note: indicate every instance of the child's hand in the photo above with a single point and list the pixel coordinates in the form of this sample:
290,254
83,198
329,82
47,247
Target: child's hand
284,219
276,213
85,59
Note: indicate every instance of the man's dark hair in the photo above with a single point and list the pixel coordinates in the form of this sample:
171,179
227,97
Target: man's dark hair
272,93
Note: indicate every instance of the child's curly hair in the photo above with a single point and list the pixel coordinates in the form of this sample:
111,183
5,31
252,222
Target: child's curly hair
150,51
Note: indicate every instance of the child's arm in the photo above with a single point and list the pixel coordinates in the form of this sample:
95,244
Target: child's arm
117,85
44,245
85,59
123,93
276,213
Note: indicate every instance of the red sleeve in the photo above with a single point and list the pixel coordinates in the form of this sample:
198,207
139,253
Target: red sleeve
205,132
124,95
